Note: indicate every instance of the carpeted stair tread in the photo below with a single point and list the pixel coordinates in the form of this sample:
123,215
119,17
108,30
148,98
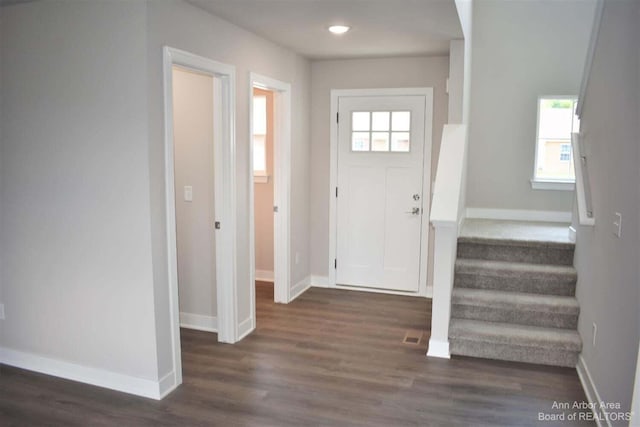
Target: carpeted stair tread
521,251
535,231
516,300
515,276
482,266
516,335
550,311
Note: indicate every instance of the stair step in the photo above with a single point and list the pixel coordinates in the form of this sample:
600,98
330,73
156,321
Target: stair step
515,308
516,277
525,251
530,344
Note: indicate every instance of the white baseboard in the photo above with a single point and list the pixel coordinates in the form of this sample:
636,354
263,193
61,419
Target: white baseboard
245,328
518,215
167,384
323,282
95,376
592,394
319,281
299,288
439,349
573,234
265,276
198,322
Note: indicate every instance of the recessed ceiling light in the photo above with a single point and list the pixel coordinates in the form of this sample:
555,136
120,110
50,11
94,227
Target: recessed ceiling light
339,29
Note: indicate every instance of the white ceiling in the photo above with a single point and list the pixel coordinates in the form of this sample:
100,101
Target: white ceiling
379,27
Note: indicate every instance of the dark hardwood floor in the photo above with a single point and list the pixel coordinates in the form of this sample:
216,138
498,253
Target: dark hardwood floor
330,358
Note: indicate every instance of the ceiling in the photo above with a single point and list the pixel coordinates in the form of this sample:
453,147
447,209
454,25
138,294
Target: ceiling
378,27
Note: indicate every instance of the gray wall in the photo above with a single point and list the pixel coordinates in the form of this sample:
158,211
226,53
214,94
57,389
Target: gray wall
82,169
1,168
362,74
521,50
193,166
608,272
183,26
76,243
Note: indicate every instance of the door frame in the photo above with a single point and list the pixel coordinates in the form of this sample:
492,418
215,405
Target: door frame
281,189
336,94
225,193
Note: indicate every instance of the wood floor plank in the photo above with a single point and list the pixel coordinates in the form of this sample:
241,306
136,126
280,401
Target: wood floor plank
330,358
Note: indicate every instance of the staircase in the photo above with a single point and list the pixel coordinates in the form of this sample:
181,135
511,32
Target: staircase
513,296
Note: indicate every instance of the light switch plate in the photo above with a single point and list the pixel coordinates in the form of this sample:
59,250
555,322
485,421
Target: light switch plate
617,224
188,193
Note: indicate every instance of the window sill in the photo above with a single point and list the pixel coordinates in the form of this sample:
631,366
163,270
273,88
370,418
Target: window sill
261,179
553,185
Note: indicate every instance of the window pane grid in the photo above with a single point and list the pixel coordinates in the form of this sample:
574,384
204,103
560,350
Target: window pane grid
381,131
556,122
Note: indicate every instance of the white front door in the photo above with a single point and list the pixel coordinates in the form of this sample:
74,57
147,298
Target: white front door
381,144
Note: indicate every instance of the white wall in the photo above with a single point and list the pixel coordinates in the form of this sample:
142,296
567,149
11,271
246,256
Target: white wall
76,243
521,49
183,26
263,201
361,74
193,160
608,272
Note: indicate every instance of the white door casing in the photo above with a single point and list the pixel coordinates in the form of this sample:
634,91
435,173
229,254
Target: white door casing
282,191
225,190
382,196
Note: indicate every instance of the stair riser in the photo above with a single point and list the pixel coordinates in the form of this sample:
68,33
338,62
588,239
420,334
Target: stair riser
515,316
558,285
553,255
489,350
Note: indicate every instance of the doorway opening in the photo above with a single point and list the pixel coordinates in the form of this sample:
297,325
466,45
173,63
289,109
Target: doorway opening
194,181
263,195
380,180
199,98
270,172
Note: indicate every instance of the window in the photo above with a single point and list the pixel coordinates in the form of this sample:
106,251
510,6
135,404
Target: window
557,120
260,136
565,152
381,131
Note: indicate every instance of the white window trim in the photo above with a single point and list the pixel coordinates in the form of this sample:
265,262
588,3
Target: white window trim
260,178
540,184
549,184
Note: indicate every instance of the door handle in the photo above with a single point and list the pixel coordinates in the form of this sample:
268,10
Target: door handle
414,211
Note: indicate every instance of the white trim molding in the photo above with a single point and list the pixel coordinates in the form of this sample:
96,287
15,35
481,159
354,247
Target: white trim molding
518,215
439,348
225,194
281,192
591,51
423,293
538,184
264,276
590,390
300,287
153,389
246,327
635,399
198,322
319,281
